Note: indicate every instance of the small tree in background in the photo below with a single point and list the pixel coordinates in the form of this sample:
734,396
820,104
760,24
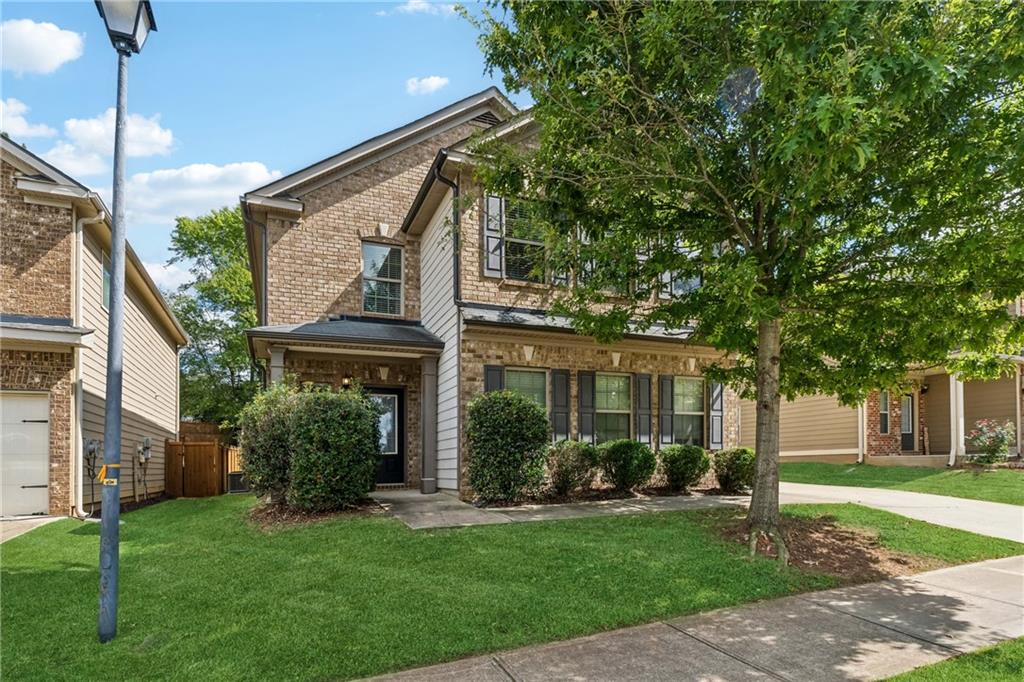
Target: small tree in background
829,192
507,434
993,439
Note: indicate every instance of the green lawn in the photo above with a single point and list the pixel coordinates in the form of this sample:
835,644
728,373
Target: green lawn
207,596
995,664
1000,485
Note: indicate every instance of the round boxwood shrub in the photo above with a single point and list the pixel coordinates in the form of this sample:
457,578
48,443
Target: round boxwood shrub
626,463
734,469
265,424
335,442
507,435
684,465
571,466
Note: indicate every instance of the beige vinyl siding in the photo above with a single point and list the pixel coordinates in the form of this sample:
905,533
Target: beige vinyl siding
808,425
936,413
993,399
150,393
440,316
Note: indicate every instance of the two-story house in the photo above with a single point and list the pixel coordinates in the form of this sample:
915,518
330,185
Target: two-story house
55,272
385,265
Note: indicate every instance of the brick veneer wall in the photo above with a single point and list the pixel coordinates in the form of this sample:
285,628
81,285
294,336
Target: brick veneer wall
889,444
22,370
315,264
401,374
478,352
35,253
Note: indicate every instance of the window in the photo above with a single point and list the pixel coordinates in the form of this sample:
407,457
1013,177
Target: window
883,412
612,403
106,282
688,409
530,382
513,241
676,283
388,422
382,279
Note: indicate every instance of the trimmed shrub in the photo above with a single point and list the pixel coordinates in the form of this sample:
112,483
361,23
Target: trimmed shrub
627,463
507,433
335,442
571,466
684,465
734,469
266,453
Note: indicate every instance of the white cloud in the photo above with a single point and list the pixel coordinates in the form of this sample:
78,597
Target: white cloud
168,277
14,123
420,7
30,47
67,158
144,136
158,197
425,85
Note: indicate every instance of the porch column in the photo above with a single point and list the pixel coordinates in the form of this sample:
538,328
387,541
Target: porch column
276,363
428,424
957,436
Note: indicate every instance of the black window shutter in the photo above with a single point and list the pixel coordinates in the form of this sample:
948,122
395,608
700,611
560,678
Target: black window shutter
585,406
494,377
666,386
560,404
643,407
716,418
493,244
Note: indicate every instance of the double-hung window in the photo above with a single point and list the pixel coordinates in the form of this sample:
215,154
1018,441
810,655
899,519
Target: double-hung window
106,281
688,410
612,406
531,383
382,279
676,283
883,411
513,241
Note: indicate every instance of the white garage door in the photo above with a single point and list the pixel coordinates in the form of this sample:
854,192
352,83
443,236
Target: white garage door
24,453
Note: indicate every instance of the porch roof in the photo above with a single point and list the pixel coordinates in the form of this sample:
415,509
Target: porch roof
525,318
359,331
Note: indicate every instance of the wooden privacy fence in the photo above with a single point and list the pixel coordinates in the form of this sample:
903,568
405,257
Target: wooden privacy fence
200,468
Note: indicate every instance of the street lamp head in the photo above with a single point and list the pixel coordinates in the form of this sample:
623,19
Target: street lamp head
128,22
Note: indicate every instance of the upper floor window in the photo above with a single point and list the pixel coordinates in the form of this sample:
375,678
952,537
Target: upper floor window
612,406
513,242
675,283
106,281
382,279
532,383
688,409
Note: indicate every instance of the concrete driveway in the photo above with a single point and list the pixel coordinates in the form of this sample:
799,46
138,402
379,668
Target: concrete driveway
13,527
985,518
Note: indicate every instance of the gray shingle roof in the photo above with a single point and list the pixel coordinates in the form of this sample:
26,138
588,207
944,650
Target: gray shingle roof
353,330
539,319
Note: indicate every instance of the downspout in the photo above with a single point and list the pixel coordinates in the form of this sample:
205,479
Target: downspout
76,433
456,222
1020,411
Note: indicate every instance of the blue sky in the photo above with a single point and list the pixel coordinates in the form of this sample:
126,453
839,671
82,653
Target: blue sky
225,96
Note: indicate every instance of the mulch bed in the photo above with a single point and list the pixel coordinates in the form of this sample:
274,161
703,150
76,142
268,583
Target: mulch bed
600,494
276,516
821,545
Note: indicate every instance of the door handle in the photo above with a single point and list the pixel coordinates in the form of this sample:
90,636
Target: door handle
35,421
35,486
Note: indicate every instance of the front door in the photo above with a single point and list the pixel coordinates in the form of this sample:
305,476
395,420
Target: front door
907,423
391,468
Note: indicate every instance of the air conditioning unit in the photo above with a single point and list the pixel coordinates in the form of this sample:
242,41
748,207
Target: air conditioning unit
237,483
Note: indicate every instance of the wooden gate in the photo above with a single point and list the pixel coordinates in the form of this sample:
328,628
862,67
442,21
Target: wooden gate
195,469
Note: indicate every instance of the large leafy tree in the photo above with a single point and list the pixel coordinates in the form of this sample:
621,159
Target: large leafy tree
842,179
216,307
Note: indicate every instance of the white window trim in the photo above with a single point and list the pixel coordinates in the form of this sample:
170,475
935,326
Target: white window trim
628,412
546,278
883,408
106,272
703,414
534,370
400,280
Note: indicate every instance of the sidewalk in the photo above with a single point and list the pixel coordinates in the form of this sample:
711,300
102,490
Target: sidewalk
863,632
13,527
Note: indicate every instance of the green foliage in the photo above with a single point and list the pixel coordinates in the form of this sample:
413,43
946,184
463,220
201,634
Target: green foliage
734,469
507,434
215,307
993,439
684,465
571,466
626,463
265,427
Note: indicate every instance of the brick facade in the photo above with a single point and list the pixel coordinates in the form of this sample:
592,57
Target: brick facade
315,264
880,444
35,253
331,371
476,352
38,371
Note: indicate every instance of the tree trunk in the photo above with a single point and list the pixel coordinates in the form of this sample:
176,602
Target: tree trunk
763,518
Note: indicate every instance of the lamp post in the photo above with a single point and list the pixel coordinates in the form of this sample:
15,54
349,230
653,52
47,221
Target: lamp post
128,24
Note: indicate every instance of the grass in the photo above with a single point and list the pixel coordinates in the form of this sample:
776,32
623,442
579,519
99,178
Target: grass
204,594
1001,662
998,485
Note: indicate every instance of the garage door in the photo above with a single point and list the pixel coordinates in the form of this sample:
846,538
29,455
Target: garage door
24,454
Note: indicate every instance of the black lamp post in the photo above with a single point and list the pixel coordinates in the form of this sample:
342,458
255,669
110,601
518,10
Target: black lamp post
128,24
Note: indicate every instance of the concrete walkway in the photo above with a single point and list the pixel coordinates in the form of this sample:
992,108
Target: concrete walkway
13,527
977,516
865,632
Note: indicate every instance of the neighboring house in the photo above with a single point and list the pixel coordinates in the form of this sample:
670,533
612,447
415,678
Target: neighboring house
366,268
54,260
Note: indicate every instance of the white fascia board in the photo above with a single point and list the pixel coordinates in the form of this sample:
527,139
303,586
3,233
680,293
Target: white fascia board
274,203
37,334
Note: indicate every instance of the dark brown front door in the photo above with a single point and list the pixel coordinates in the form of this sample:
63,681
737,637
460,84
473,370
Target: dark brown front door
907,423
391,468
